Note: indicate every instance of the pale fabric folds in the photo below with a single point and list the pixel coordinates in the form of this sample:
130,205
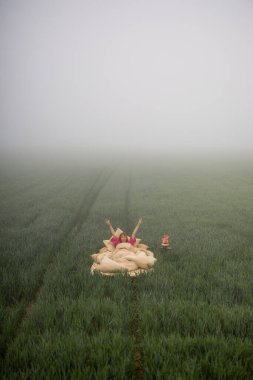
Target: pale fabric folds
125,258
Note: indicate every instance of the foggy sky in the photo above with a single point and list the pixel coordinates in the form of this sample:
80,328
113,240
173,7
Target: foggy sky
126,75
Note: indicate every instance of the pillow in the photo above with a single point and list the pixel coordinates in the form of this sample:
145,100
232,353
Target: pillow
139,260
104,249
97,257
94,257
118,232
143,246
129,265
109,266
109,245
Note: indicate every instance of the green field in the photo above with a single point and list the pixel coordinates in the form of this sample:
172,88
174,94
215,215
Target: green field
191,318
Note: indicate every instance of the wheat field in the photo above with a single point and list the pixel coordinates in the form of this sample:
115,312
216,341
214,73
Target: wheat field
190,318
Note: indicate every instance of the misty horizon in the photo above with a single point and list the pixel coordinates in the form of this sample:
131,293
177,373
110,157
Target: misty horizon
126,78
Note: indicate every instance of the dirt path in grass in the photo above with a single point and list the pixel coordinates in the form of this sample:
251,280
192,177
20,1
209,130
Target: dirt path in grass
135,322
136,332
73,227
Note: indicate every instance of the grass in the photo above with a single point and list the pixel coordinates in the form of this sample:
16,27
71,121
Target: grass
194,310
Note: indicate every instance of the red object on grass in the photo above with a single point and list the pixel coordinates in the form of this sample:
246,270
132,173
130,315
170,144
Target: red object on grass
166,239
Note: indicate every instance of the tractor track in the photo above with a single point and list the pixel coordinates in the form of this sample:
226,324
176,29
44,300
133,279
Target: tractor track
135,321
44,198
136,331
72,228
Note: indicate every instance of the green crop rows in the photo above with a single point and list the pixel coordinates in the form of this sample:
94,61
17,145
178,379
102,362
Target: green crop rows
191,318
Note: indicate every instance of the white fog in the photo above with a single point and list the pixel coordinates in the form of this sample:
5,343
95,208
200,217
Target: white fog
126,77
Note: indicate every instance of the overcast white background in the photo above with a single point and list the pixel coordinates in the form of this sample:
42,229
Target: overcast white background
151,76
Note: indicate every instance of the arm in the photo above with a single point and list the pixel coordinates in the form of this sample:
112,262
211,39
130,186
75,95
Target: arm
107,221
137,227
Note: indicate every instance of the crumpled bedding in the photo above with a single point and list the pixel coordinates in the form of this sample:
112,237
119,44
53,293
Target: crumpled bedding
125,258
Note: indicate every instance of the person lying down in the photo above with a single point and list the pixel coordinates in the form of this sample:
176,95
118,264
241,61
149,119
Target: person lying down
123,254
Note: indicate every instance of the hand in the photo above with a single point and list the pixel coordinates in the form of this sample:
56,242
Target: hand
107,221
140,221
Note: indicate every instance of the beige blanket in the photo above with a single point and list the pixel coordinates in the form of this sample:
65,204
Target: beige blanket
125,258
